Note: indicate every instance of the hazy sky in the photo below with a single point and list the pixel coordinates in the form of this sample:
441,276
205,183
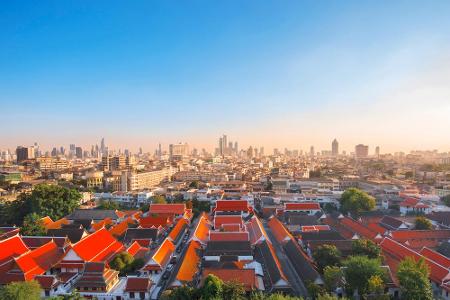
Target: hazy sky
271,73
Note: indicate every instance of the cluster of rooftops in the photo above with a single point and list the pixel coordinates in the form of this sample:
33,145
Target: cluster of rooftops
230,241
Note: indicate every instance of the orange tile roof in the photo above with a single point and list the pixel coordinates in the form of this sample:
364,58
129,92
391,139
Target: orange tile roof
120,229
11,247
221,220
101,224
280,232
161,257
190,265
175,208
302,206
244,276
137,251
99,246
57,224
228,236
154,221
358,228
46,221
310,228
231,227
256,230
39,260
201,232
178,229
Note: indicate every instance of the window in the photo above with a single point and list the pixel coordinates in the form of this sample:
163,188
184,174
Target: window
142,295
47,293
132,295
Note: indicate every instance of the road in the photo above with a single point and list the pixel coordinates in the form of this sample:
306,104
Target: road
287,267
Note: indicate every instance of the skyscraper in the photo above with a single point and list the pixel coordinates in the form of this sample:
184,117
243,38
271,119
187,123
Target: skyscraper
24,153
79,152
335,148
311,151
377,151
102,145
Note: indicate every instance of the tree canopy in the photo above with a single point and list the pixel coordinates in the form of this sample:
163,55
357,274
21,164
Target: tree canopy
125,263
366,247
446,200
45,200
327,255
423,223
358,271
21,290
356,201
32,225
158,199
413,278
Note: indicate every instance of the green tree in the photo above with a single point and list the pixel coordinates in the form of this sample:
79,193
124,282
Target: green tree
329,297
194,184
180,293
274,296
212,287
356,201
32,225
233,290
358,270
413,278
366,247
332,276
108,204
327,255
21,290
125,263
159,199
423,223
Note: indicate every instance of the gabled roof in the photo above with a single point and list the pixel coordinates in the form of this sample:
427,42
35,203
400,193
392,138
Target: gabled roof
270,260
99,246
100,224
280,232
391,223
201,233
94,214
228,248
409,202
232,205
301,206
302,264
96,274
177,231
46,221
137,251
154,221
190,265
140,234
34,242
405,235
175,208
120,229
35,262
244,276
229,236
256,230
57,224
10,248
358,228
161,257
74,234
314,228
220,220
138,284
436,257
47,282
9,231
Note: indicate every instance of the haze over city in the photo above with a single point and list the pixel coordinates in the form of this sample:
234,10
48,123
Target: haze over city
291,75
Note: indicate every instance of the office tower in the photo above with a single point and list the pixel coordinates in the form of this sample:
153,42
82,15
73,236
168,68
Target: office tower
230,148
62,150
79,152
102,145
335,148
236,149
24,153
275,151
361,151
140,151
220,146
250,152
377,151
54,152
225,143
261,151
159,150
311,151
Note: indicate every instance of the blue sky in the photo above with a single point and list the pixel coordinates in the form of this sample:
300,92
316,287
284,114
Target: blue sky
272,73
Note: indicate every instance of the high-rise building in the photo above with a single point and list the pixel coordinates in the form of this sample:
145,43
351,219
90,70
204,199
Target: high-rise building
311,151
361,151
236,149
24,153
220,146
102,146
377,151
79,152
335,148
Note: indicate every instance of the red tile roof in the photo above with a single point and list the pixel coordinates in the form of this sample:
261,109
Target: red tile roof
138,284
137,251
228,236
398,252
436,257
46,282
154,221
256,230
232,205
176,208
358,228
10,248
302,206
405,235
201,233
99,246
220,220
178,229
57,224
161,257
310,228
120,229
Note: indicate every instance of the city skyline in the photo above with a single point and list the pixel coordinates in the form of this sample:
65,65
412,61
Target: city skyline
276,76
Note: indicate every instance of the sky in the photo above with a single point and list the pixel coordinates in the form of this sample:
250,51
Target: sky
266,73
